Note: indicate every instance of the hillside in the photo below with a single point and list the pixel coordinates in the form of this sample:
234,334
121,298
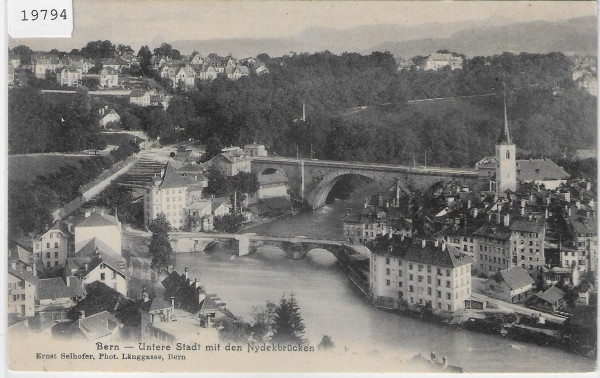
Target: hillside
574,36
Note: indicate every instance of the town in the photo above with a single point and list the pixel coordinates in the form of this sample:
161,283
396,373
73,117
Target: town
107,247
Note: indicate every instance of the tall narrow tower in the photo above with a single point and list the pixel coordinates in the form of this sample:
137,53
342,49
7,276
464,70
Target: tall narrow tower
506,170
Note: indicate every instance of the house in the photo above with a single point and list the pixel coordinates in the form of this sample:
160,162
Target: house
199,216
419,273
185,77
69,77
550,300
167,194
440,60
109,77
160,100
511,285
182,153
110,119
141,98
103,327
236,72
97,261
231,161
196,58
45,65
207,72
100,226
58,293
262,69
272,185
111,63
255,150
22,286
367,224
53,246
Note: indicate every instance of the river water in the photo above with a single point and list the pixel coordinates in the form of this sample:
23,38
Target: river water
331,305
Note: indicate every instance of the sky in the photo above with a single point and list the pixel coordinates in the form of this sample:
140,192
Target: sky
137,22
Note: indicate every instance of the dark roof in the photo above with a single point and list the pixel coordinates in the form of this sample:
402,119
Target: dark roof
496,231
96,252
24,275
449,257
277,203
154,304
52,288
260,209
60,226
172,179
539,169
98,220
527,225
515,277
552,295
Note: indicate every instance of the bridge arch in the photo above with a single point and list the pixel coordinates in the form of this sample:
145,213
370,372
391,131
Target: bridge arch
318,196
270,171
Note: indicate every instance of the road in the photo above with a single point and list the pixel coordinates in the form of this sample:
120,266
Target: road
519,309
361,165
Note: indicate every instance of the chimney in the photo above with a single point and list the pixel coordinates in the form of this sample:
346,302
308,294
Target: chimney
81,314
475,211
86,266
569,211
588,186
423,243
68,280
380,200
469,204
568,196
506,220
173,302
443,245
87,213
390,234
13,265
436,242
401,237
34,268
546,213
186,273
145,295
522,202
548,200
522,211
578,204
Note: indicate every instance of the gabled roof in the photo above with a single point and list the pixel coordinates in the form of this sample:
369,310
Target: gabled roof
539,170
515,277
155,304
449,257
98,220
24,275
528,226
97,252
552,295
52,288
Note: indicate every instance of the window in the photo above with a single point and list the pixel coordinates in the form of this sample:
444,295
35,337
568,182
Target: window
447,272
448,296
411,289
428,291
420,267
447,283
387,272
507,154
55,263
439,282
440,306
428,268
47,245
47,255
114,274
48,264
420,278
410,277
56,254
400,273
428,279
410,266
400,284
387,282
56,245
387,261
439,294
449,308
102,276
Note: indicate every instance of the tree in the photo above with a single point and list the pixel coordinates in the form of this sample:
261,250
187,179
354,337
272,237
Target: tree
24,53
99,49
160,247
245,182
326,343
218,185
167,50
124,49
30,207
228,223
262,324
145,56
288,326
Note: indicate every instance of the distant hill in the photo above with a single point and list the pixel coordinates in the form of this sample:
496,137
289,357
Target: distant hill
574,36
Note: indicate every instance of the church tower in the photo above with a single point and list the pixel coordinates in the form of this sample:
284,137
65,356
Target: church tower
506,170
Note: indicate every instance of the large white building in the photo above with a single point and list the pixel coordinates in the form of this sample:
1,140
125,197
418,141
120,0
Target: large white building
168,194
52,246
440,60
99,225
420,273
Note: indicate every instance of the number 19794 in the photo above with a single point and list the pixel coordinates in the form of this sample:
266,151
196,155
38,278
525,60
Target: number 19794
43,14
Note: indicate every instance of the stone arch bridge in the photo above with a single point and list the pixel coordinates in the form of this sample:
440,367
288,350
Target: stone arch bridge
312,179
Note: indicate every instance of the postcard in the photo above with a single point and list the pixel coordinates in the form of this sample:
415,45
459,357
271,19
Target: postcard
302,187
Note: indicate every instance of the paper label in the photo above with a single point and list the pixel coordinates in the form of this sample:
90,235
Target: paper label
40,18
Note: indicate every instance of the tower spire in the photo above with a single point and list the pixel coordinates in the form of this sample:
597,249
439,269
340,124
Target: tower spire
505,134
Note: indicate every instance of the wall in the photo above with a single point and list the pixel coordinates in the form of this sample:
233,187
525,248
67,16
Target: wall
110,235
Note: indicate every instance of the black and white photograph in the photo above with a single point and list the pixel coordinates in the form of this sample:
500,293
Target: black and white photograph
301,186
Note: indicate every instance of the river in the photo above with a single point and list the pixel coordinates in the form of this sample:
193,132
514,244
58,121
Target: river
331,305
